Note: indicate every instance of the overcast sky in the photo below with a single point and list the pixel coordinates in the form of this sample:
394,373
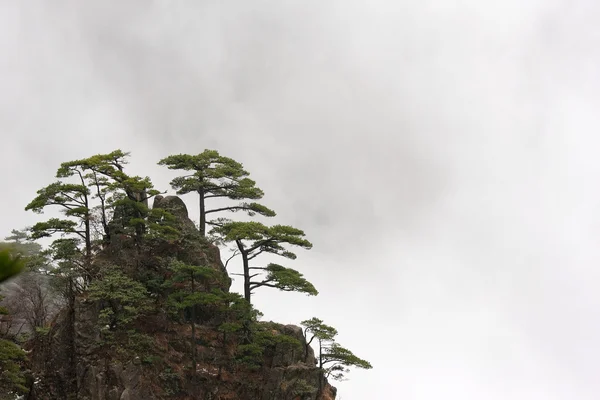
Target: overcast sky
441,155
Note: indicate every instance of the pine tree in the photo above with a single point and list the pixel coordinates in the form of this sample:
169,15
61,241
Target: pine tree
123,300
333,359
95,191
213,176
21,243
125,196
253,239
74,201
188,285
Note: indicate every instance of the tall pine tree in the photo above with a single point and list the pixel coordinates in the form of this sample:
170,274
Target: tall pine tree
213,176
253,239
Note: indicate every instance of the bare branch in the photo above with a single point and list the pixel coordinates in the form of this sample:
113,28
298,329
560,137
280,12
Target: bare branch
235,253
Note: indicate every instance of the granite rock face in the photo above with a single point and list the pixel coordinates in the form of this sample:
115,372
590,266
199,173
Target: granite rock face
176,207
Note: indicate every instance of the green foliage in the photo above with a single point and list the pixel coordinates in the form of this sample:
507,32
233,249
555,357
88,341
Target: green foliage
67,265
171,382
121,298
122,301
182,271
117,193
55,225
318,329
189,291
162,225
30,253
98,201
42,331
236,308
66,253
250,355
214,176
10,264
12,376
264,337
207,168
186,283
286,341
137,343
12,373
254,238
230,327
334,359
151,359
285,279
100,177
264,239
71,197
238,322
302,388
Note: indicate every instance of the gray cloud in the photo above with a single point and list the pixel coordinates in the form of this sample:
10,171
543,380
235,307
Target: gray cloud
442,158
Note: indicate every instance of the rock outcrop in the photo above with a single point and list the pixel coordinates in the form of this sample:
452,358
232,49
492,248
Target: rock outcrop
73,362
175,206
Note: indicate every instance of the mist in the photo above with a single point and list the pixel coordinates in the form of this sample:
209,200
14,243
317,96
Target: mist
441,157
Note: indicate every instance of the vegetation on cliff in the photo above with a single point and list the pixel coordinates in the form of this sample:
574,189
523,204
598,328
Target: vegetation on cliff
130,292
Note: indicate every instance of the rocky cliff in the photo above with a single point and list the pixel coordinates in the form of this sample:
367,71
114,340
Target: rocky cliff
81,358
